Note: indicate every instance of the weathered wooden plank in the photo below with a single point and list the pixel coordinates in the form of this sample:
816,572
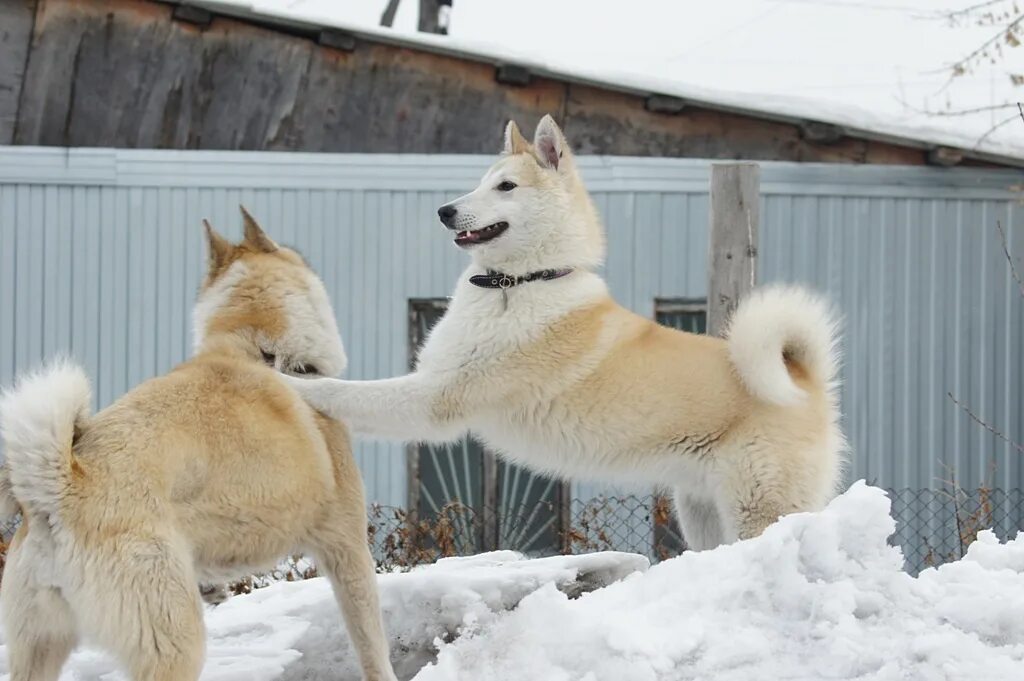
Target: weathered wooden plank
16,18
732,248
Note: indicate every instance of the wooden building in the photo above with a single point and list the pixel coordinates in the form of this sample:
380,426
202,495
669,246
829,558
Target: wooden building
169,75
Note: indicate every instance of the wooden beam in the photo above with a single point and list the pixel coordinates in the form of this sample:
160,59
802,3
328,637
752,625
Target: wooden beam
665,104
821,133
732,247
191,14
512,74
338,40
944,157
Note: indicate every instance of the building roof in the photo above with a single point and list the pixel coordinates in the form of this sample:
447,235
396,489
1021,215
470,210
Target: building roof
824,118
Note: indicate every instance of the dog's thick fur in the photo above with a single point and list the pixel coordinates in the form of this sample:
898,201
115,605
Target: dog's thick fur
559,378
208,473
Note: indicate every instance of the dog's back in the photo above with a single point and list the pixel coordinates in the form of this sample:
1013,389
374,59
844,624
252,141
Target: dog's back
218,449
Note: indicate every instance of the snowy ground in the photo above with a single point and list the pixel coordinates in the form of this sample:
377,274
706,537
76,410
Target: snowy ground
818,596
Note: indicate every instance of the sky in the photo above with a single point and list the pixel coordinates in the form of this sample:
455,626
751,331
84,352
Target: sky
887,59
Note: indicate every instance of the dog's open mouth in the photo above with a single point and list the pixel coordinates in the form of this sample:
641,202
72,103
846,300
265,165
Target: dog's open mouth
481,236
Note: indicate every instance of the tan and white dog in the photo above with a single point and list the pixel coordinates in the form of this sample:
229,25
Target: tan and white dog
537,360
208,473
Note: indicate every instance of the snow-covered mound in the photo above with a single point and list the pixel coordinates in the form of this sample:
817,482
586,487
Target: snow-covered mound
293,630
817,596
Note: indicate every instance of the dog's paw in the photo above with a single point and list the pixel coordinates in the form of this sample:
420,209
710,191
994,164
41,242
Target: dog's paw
214,594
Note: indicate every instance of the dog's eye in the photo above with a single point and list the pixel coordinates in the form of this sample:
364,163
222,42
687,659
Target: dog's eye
506,186
269,358
305,370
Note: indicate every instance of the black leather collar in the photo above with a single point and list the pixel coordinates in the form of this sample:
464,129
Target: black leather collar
504,281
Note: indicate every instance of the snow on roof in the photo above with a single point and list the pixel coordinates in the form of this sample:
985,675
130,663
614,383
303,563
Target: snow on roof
855,121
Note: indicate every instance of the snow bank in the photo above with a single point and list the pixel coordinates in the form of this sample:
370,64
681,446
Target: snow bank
818,596
293,630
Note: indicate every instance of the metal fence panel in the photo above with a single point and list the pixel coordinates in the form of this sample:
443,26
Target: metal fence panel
101,253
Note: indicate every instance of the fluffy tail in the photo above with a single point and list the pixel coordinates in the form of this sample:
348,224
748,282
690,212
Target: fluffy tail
37,421
781,328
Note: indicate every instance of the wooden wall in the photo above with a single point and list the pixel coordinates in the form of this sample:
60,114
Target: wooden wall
125,74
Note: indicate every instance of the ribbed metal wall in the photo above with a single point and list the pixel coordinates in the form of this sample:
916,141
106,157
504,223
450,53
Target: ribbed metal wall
101,253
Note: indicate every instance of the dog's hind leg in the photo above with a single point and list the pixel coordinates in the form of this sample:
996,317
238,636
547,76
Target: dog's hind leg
39,624
342,554
757,490
699,520
151,611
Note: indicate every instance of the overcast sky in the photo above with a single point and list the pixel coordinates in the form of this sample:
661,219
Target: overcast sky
890,57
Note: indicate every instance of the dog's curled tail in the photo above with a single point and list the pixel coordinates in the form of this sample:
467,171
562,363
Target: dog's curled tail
781,332
37,421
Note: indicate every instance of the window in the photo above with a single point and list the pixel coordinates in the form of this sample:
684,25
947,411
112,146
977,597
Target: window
685,314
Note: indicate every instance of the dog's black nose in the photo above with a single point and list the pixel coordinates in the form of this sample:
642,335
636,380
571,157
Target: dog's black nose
447,214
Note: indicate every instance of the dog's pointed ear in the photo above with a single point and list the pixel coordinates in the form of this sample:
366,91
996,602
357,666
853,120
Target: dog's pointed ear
550,144
254,235
218,249
515,143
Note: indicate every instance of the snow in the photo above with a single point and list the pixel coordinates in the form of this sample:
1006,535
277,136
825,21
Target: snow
883,68
817,596
293,630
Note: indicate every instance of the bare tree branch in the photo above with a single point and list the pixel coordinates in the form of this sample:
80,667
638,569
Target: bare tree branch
967,10
985,425
965,112
1003,30
1009,258
388,17
997,126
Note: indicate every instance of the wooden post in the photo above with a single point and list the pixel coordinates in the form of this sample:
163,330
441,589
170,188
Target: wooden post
564,516
387,19
491,501
732,248
430,16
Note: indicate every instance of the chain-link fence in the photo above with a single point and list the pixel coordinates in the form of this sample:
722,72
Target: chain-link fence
933,526
936,526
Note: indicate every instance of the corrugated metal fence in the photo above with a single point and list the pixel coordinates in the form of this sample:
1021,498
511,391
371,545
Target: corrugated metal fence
101,253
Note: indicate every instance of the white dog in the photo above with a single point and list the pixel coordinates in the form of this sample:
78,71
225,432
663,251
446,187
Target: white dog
537,360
